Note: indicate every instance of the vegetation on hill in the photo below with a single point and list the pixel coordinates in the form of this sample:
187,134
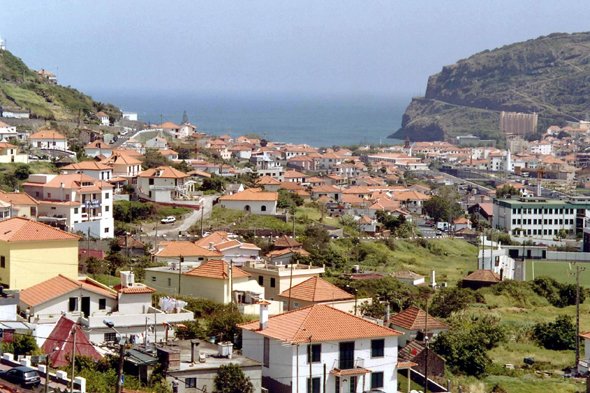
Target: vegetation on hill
21,87
548,75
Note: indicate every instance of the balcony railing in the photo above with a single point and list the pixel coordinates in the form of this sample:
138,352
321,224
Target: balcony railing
349,364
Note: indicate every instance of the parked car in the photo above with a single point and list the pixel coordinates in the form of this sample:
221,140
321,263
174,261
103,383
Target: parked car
123,133
24,376
168,220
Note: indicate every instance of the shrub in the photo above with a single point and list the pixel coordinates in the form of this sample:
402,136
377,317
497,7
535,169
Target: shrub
559,335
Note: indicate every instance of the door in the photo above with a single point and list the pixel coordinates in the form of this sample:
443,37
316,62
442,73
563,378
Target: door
346,355
86,306
528,254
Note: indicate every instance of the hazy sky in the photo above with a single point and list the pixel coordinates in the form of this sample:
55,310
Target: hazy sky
251,46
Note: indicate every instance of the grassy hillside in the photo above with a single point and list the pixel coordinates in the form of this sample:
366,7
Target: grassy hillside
21,87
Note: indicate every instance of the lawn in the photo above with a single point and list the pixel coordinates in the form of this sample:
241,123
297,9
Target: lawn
561,271
107,279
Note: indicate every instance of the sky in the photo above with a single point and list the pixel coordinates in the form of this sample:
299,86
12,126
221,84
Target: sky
313,47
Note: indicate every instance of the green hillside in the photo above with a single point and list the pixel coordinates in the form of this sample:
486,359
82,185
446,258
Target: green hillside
549,75
21,87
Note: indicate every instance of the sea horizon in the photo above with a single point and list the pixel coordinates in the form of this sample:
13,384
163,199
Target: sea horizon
312,119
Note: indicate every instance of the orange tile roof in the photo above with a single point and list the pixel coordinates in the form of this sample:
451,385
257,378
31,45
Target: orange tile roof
413,318
215,238
268,181
294,175
184,249
119,158
483,275
292,186
137,288
19,229
317,290
169,126
101,114
326,189
46,134
165,172
410,195
216,268
58,286
87,165
98,145
73,181
251,194
286,241
322,323
4,145
18,198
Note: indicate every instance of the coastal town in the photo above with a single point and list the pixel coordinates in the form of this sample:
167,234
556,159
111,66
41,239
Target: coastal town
160,257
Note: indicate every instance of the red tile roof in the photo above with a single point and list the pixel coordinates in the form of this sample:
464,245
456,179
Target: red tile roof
138,288
62,337
165,172
215,238
322,323
483,275
58,286
216,268
252,194
184,249
413,318
317,290
286,241
19,229
46,134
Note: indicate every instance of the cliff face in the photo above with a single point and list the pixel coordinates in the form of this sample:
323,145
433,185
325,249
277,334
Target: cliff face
549,75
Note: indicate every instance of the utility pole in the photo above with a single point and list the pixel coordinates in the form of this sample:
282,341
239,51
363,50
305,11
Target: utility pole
426,357
73,359
202,212
120,366
231,283
88,247
179,273
578,270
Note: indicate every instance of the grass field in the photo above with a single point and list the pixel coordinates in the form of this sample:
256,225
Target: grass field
560,271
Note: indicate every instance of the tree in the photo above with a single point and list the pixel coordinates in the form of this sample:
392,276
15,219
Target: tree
288,199
506,191
315,238
450,300
231,379
153,159
214,183
193,330
22,172
559,335
225,327
182,166
439,207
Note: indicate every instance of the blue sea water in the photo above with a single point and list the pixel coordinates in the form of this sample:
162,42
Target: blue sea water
317,121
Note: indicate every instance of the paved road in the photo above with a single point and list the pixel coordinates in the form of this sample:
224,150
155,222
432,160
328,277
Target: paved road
187,222
52,384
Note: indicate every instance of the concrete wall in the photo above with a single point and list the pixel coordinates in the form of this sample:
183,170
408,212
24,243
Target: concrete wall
255,206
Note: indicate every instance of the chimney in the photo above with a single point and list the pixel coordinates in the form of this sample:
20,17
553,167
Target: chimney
502,274
387,313
432,278
195,350
263,315
211,246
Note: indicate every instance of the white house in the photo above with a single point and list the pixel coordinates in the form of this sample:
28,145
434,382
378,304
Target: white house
162,184
130,116
48,139
157,142
93,169
74,202
10,153
7,131
98,147
104,118
351,353
252,200
497,261
409,277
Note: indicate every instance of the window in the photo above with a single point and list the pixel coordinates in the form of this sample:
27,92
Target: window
151,182
376,380
169,282
107,208
106,196
102,304
266,360
316,353
315,385
37,194
3,261
337,385
72,304
377,348
153,278
190,383
67,197
110,337
75,210
263,208
107,229
260,280
295,304
272,282
48,195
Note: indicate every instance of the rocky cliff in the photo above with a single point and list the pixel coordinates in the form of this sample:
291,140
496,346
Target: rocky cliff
549,75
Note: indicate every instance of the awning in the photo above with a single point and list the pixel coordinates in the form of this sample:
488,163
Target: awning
404,365
352,371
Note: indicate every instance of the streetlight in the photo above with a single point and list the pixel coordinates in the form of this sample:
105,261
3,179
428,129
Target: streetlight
47,366
111,325
356,292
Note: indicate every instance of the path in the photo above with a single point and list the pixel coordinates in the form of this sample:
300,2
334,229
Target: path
187,222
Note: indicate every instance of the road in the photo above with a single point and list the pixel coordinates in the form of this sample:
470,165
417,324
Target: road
187,222
52,384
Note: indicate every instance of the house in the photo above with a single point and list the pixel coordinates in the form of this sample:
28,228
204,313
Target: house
169,154
409,277
157,143
74,202
482,211
416,352
278,278
23,240
7,132
15,112
462,223
499,262
48,139
301,163
103,118
87,136
411,322
128,306
329,160
185,252
294,177
124,165
131,116
285,256
25,205
357,355
10,153
131,247
162,184
50,77
197,371
251,200
236,251
369,225
316,290
268,183
326,190
68,336
98,147
411,200
96,170
480,279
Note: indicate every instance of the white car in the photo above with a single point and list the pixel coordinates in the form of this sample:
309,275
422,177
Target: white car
123,133
168,220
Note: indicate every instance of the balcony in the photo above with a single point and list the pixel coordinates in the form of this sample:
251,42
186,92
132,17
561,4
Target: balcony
352,367
152,316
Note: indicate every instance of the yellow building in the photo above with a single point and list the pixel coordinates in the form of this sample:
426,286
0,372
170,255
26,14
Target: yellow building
31,252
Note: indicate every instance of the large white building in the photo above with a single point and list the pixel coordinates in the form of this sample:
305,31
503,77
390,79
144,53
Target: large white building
48,139
75,202
350,353
162,184
252,200
541,217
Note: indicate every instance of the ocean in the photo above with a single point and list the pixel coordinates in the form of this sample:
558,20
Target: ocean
316,121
